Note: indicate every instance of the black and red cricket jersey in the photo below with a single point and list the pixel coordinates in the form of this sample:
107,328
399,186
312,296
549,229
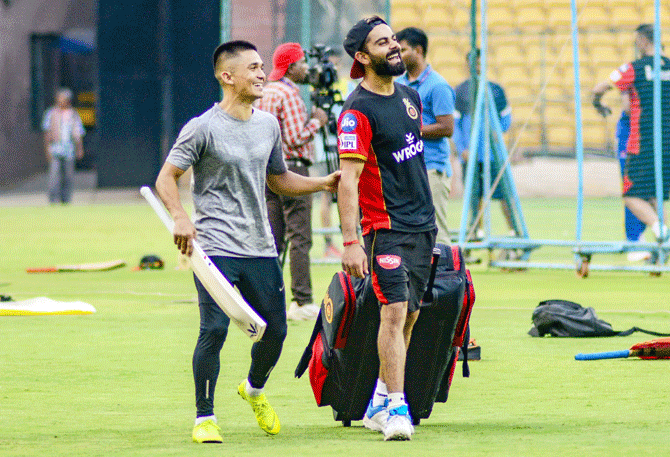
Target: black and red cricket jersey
385,132
637,78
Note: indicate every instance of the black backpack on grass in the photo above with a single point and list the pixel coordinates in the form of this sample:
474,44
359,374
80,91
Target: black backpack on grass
568,319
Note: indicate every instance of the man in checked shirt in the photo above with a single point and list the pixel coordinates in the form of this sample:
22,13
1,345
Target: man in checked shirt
291,217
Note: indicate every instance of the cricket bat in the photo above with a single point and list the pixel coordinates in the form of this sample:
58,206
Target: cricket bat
100,266
654,349
223,293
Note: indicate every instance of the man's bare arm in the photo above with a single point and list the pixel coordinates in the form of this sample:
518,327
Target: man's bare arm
354,259
293,184
166,186
443,127
598,91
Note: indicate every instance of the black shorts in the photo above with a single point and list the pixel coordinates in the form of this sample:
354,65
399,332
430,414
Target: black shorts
640,176
400,265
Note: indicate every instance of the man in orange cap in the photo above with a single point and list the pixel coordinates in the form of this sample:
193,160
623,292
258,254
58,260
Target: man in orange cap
291,217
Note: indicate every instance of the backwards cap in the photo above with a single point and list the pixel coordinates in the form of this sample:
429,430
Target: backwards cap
356,39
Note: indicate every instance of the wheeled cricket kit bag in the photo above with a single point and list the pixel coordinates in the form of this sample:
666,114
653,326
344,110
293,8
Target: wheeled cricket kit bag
342,353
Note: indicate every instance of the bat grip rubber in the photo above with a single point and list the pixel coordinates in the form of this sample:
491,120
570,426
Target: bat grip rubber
604,355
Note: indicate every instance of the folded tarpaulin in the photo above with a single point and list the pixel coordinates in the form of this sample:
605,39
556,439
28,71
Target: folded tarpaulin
44,306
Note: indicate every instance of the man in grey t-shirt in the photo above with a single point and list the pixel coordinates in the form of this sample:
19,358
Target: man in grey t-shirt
234,150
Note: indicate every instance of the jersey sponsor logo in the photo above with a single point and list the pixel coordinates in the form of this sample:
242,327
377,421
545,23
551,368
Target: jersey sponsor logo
388,261
406,153
348,141
649,74
412,112
349,123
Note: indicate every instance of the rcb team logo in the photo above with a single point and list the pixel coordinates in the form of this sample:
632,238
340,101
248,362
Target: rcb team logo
328,308
411,110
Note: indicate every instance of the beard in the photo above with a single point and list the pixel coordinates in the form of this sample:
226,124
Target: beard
382,67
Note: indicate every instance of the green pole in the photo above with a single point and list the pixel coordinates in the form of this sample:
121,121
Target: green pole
473,47
305,39
224,21
387,11
306,24
224,27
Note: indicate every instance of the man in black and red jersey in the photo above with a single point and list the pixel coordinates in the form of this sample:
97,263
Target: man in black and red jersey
384,173
637,78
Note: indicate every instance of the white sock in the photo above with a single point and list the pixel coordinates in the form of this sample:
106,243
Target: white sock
201,419
396,399
379,397
252,391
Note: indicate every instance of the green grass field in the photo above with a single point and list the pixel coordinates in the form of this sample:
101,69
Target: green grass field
119,383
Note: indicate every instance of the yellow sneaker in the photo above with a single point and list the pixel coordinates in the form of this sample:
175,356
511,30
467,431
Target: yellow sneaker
265,415
207,432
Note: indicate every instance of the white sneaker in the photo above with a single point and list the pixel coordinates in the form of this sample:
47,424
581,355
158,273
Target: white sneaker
376,416
398,425
302,313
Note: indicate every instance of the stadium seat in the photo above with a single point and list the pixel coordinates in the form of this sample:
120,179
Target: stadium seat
594,16
626,44
603,49
597,135
647,13
460,17
518,94
435,15
531,17
559,113
559,16
626,14
405,15
523,112
560,137
505,51
501,19
557,90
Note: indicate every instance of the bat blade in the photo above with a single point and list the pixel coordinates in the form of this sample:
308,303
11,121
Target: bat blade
223,293
654,349
99,266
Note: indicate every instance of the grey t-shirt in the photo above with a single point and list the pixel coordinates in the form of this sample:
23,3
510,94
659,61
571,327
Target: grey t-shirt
230,160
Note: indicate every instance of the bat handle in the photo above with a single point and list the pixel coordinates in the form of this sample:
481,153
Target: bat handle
157,207
604,355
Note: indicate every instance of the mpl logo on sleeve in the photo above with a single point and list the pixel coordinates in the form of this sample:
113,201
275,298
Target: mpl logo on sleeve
388,261
348,142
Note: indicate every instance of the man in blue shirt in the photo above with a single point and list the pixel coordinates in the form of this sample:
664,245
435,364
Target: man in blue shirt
462,132
437,98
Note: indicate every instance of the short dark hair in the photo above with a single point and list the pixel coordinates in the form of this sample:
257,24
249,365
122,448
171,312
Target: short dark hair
414,37
647,31
232,48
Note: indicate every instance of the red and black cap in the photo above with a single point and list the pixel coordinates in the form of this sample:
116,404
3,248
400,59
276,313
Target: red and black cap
356,39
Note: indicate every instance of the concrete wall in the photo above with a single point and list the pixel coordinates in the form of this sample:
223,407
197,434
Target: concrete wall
21,151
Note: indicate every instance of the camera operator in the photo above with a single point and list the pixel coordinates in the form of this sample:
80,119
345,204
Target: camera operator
291,217
327,90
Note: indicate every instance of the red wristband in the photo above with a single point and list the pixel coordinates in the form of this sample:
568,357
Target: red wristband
349,243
